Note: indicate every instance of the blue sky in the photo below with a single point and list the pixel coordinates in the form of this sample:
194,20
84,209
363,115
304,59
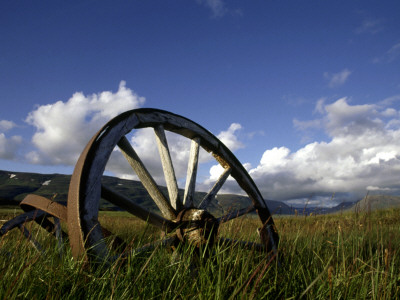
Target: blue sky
306,93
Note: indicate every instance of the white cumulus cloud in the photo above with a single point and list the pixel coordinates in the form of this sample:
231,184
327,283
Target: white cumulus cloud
64,128
229,137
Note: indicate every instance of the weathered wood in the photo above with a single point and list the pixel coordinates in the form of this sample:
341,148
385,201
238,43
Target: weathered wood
191,173
179,125
168,168
215,189
133,208
146,178
235,214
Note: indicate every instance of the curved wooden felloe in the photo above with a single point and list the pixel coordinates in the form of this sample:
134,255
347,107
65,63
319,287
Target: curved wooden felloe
85,190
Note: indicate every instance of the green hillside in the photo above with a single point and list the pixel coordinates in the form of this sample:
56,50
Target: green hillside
374,202
14,186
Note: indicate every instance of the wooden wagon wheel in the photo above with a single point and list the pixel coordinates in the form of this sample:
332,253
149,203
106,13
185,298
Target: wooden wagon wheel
178,215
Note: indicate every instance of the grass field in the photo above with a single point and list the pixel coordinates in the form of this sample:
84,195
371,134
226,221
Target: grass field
341,256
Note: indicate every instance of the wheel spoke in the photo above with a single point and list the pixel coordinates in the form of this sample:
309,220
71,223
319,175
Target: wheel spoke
191,173
235,214
214,190
168,168
134,209
146,179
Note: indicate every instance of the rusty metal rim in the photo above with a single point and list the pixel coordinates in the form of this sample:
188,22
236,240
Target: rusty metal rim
53,208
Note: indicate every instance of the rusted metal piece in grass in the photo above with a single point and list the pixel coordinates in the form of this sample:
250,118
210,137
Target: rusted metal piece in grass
53,208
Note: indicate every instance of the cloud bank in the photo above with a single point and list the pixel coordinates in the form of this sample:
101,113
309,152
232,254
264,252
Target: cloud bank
362,154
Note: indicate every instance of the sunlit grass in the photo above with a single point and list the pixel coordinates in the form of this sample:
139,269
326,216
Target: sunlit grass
341,256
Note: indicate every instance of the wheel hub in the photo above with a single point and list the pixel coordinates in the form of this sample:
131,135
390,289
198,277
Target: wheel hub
196,226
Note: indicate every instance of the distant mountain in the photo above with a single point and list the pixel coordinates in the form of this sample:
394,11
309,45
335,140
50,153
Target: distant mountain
374,202
319,210
230,201
14,186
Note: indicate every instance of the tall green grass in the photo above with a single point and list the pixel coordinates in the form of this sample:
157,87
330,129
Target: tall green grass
342,256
